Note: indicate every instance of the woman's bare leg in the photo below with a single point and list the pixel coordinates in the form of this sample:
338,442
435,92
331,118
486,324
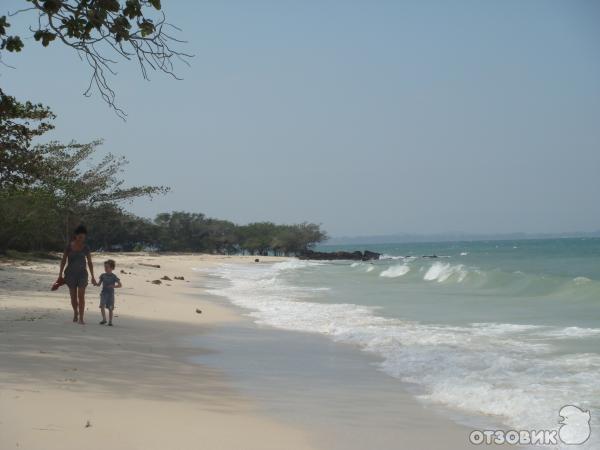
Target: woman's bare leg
81,299
73,294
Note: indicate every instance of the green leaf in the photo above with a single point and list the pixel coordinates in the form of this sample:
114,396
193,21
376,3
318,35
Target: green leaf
52,6
147,27
3,25
155,3
13,44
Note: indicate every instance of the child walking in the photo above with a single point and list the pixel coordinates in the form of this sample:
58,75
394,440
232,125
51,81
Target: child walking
109,281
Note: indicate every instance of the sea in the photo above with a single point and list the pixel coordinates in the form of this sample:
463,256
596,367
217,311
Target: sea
506,330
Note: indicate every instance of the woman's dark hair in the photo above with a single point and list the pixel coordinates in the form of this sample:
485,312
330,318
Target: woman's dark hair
81,229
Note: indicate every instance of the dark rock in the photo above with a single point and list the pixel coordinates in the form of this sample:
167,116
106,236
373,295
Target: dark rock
369,256
257,260
166,278
198,311
179,278
340,255
156,282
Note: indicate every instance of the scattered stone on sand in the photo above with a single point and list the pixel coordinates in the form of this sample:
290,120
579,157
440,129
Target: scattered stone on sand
88,424
179,278
198,311
166,278
257,260
156,266
156,282
124,272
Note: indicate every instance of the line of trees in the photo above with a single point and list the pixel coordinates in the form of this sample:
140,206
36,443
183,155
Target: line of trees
47,189
32,221
114,229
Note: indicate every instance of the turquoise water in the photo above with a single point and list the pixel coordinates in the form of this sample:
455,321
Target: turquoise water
549,282
507,329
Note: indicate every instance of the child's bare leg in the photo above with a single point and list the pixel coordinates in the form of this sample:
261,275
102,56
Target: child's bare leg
103,311
73,293
110,315
81,303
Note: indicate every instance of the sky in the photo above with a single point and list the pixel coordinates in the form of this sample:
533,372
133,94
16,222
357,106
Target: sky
369,117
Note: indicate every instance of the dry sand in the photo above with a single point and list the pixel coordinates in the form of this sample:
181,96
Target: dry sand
70,386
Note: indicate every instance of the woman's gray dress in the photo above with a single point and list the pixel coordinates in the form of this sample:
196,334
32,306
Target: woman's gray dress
76,272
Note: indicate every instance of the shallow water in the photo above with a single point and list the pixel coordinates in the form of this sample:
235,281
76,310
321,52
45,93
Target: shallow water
505,329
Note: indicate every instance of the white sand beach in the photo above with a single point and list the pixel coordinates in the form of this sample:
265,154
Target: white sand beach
70,386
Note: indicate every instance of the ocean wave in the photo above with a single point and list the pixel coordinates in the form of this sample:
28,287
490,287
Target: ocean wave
441,272
581,280
293,263
395,271
497,329
572,332
367,267
391,257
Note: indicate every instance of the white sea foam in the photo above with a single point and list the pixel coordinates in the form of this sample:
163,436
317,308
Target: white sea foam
581,280
464,253
392,257
292,264
510,371
362,265
496,329
441,272
572,332
395,271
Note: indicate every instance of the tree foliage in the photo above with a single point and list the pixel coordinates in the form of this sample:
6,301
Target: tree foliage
29,220
77,181
183,231
20,123
113,229
99,30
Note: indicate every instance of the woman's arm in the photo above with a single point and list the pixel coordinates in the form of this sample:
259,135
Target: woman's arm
91,267
63,262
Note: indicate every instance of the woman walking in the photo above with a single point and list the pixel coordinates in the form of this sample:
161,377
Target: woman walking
75,257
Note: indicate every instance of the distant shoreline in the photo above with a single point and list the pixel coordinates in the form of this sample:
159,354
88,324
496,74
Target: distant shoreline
426,239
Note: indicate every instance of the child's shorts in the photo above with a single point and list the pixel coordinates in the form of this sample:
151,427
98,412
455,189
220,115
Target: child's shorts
107,299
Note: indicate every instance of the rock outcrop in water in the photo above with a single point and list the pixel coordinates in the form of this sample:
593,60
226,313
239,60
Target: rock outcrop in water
327,256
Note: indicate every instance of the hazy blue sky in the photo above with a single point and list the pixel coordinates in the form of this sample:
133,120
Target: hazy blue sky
371,117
